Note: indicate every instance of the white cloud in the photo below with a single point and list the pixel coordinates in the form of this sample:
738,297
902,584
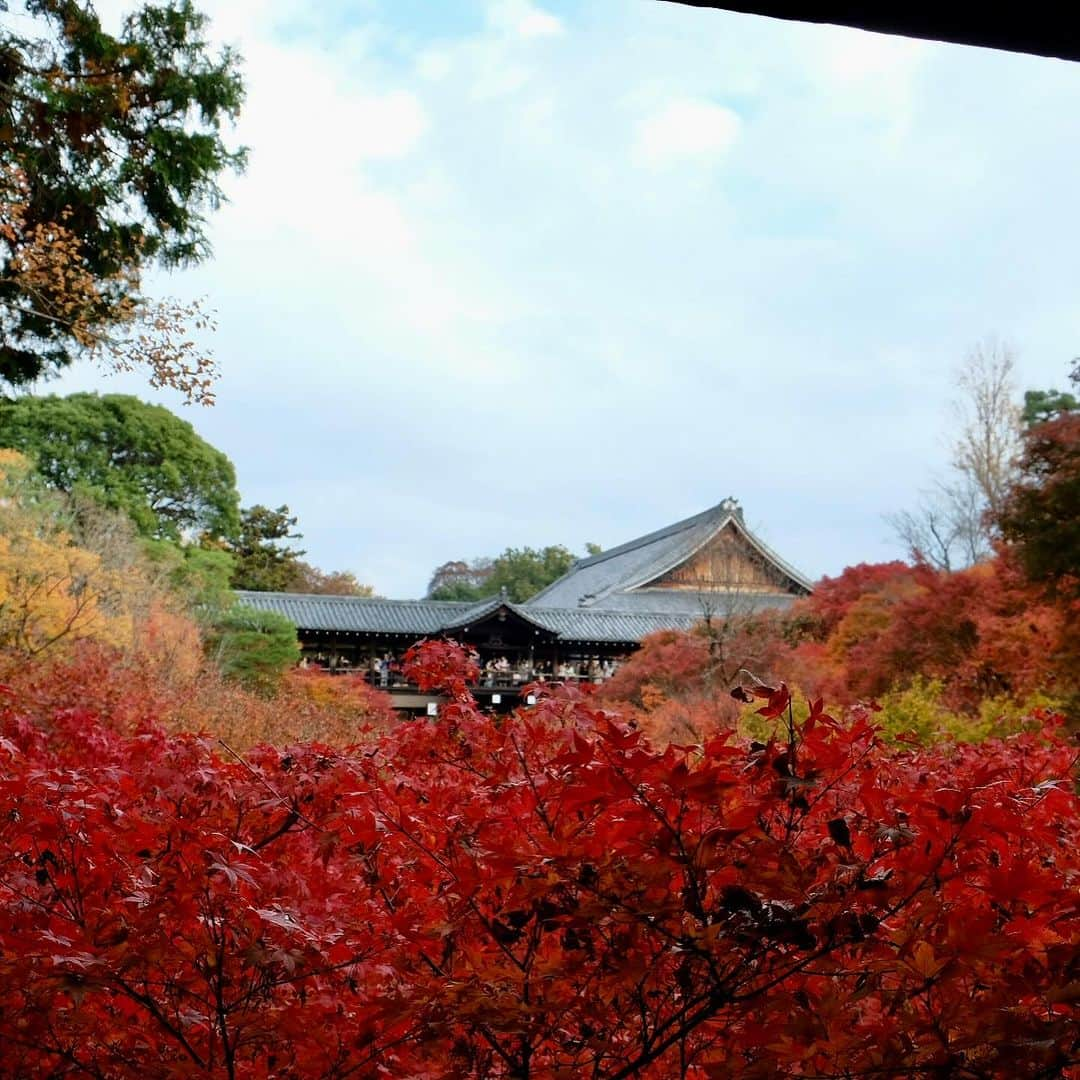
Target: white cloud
495,76
538,23
434,65
478,327
870,75
334,120
854,57
684,129
524,19
388,125
501,62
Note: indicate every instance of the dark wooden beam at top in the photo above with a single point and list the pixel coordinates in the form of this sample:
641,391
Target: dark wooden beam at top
1040,28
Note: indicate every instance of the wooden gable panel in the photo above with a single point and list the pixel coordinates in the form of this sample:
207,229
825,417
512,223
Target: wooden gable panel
727,563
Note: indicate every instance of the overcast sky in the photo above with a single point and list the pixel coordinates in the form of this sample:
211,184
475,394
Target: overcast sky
503,273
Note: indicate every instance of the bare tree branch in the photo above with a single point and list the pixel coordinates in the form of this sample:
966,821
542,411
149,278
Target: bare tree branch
952,525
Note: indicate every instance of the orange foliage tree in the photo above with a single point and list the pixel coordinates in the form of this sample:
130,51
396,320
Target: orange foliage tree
983,632
982,637
83,607
675,685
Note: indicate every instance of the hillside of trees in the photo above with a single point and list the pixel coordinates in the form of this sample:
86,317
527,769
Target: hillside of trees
940,651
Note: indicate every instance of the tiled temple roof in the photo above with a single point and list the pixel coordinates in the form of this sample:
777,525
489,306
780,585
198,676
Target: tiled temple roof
610,597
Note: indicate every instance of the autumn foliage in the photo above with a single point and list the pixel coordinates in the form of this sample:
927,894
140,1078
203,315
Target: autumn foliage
985,631
1042,513
88,620
541,895
128,690
985,640
676,686
72,572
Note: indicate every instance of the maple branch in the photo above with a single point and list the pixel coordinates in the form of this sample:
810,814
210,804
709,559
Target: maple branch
688,1020
484,1030
291,818
289,804
433,855
153,1009
66,1053
540,808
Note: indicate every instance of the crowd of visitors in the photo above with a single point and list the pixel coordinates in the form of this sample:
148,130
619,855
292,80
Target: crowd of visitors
502,672
497,671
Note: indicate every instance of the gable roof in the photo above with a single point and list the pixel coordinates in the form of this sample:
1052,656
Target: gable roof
485,609
618,578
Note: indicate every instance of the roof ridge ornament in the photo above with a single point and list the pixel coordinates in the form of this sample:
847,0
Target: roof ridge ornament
730,505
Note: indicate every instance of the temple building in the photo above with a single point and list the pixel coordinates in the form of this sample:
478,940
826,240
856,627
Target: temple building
709,566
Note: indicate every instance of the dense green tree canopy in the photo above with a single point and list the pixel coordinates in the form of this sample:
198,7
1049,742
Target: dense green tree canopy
110,154
1042,516
1043,405
129,455
460,579
200,576
522,572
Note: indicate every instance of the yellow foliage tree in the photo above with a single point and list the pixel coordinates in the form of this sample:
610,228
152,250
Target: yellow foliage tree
51,590
70,570
920,711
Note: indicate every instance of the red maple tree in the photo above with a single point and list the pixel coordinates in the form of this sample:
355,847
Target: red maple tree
539,895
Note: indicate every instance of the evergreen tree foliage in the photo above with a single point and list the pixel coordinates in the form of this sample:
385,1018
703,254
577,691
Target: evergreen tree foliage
111,151
130,456
253,647
263,562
